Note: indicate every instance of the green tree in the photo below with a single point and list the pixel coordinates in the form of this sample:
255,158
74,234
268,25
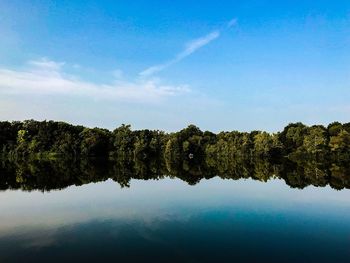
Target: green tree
334,128
315,140
123,142
341,142
292,136
95,142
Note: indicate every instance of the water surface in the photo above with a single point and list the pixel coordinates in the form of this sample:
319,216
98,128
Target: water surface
168,220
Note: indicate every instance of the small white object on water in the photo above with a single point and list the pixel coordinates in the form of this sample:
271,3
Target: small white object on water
190,156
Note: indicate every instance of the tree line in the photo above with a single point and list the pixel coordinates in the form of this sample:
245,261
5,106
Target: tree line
59,139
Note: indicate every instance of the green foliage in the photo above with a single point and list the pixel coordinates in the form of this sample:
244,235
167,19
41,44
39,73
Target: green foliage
334,128
123,142
315,140
172,149
32,138
292,136
22,137
340,143
263,143
148,144
95,142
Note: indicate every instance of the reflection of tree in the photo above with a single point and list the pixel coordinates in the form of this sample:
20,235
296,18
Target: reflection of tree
339,178
46,175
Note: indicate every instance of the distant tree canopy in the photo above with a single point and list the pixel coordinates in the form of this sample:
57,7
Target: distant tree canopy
50,138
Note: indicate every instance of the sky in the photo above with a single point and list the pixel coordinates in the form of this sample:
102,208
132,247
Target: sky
221,65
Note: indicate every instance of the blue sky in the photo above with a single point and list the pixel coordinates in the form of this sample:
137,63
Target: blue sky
222,65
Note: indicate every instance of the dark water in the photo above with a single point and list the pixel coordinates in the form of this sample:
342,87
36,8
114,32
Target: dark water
182,216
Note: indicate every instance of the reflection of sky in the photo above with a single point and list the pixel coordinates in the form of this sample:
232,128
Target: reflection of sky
152,199
151,212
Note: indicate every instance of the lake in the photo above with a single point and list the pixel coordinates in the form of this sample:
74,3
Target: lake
53,213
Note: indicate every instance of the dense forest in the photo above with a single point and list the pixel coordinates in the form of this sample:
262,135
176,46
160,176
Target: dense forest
48,155
50,139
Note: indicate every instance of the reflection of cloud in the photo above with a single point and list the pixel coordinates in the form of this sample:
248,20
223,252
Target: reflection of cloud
39,238
190,48
112,227
47,77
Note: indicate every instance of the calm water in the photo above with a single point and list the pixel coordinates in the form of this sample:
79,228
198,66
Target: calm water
168,220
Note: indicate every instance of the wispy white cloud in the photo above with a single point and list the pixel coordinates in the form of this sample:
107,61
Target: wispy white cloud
189,49
46,64
232,23
46,77
197,44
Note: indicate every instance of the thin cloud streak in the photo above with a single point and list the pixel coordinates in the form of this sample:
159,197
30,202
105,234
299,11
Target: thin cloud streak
45,77
232,23
190,48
